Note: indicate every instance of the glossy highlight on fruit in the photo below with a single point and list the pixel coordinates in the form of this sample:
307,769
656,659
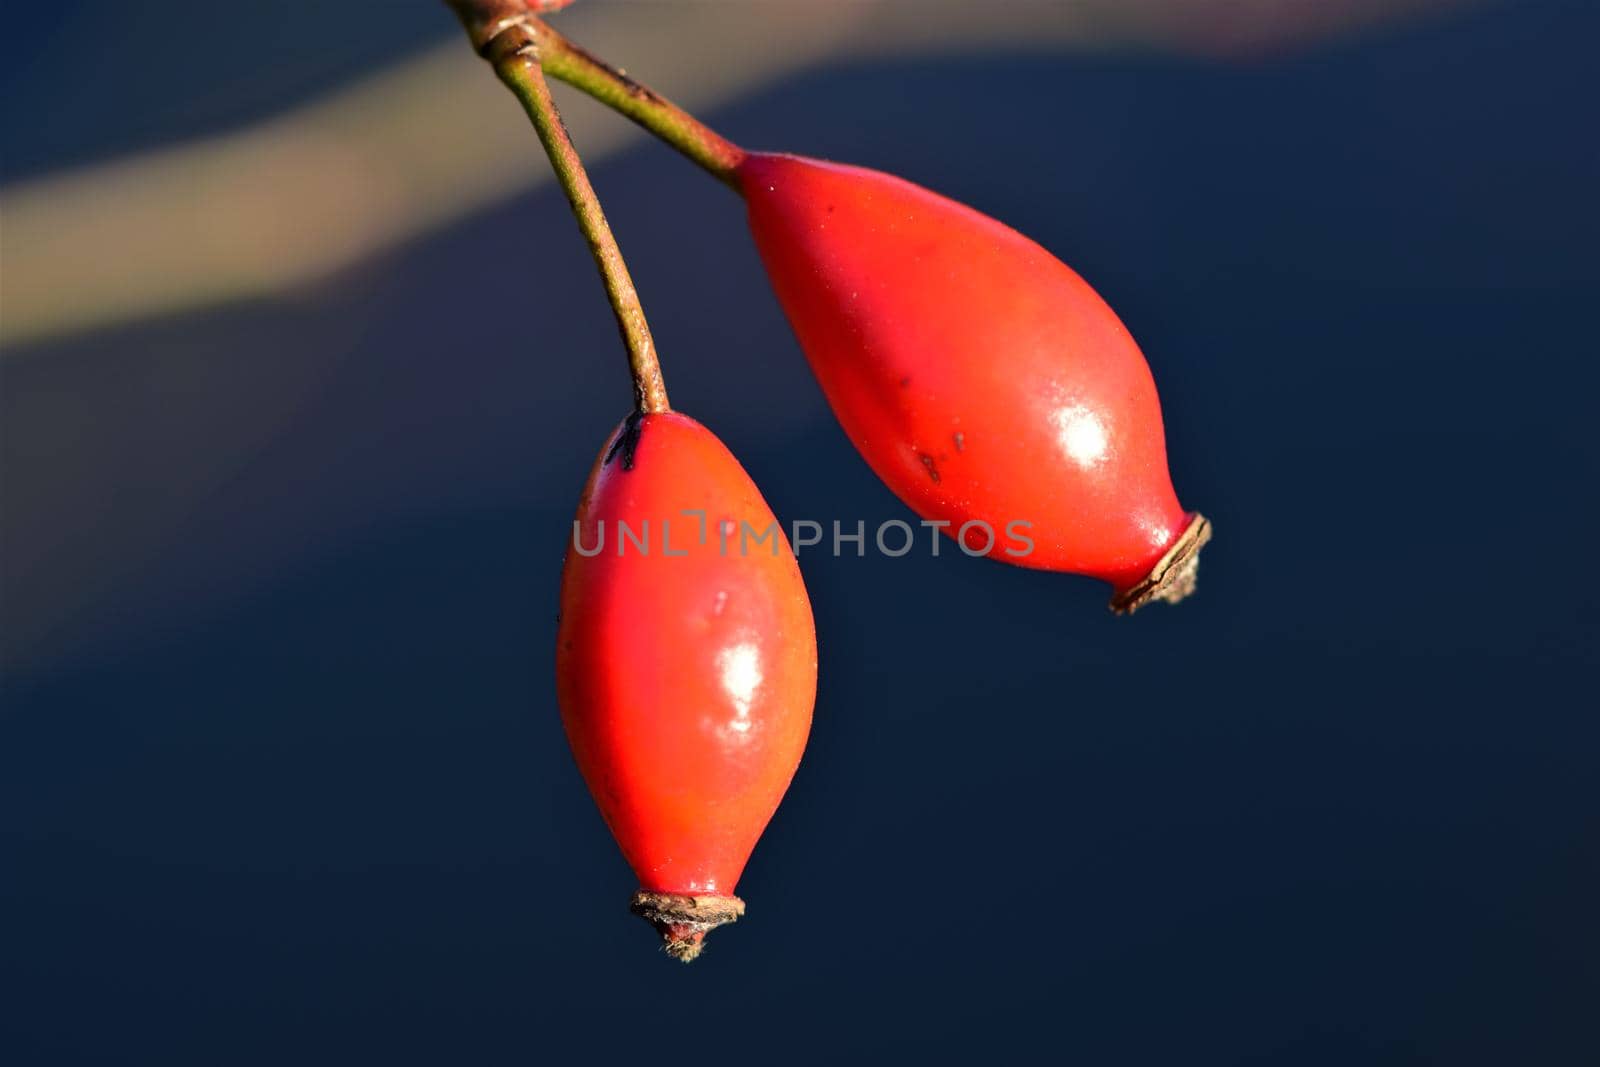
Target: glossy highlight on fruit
686,666
981,378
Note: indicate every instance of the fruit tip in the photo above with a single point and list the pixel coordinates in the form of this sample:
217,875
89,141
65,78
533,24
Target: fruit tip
1175,575
683,920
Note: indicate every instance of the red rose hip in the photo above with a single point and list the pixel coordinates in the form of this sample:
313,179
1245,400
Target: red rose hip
686,666
981,378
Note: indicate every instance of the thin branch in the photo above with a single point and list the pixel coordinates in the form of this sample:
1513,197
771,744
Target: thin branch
514,52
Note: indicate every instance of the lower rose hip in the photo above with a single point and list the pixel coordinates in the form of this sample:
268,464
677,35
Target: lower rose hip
686,666
686,672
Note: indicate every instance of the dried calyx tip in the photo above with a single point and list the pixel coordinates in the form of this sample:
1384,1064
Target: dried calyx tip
683,920
1174,576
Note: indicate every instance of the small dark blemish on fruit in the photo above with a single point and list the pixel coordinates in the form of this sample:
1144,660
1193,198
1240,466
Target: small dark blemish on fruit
933,468
627,441
904,382
830,209
961,441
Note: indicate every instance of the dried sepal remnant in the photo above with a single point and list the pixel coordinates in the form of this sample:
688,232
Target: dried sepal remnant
1174,577
684,920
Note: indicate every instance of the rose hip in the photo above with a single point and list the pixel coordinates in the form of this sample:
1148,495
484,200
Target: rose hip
981,378
686,666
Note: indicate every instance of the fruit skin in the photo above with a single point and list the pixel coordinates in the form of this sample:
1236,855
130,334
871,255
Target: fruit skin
687,681
978,375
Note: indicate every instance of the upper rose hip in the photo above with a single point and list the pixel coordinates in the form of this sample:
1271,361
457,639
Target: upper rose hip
981,378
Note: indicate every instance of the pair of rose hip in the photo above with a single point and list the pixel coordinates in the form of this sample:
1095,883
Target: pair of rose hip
981,379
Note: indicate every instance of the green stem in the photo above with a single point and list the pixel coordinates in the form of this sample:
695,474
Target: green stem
561,59
516,58
571,64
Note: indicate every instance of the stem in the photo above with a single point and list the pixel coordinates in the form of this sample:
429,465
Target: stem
612,87
515,56
570,63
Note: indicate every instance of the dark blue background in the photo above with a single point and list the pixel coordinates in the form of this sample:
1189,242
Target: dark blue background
288,784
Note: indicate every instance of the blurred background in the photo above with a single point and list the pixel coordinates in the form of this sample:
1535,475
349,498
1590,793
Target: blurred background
304,365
